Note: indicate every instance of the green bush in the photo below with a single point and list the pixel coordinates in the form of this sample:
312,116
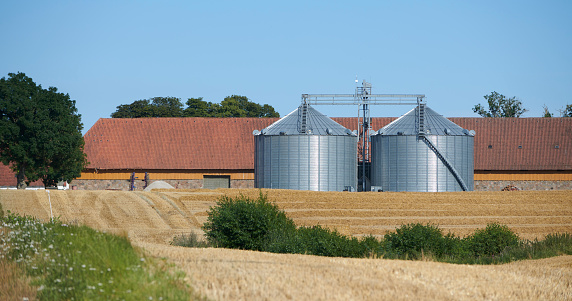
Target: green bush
258,225
321,241
190,240
561,243
372,246
325,242
492,240
1,211
410,240
286,241
244,223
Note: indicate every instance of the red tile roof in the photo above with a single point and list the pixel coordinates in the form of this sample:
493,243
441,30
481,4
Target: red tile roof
227,143
173,143
521,143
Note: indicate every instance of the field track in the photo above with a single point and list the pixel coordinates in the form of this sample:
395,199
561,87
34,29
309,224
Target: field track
151,219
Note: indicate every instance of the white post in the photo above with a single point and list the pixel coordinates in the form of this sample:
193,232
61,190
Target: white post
50,201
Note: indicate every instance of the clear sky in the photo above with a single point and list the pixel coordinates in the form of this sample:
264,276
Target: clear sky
108,53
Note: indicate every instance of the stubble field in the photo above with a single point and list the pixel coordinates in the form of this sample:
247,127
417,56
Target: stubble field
151,219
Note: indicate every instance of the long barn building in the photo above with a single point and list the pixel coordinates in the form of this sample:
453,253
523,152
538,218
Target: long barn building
529,153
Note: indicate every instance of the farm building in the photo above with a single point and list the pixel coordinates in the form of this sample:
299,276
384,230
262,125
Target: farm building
529,153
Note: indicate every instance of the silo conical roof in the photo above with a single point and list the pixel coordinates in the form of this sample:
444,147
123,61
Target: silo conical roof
435,124
316,124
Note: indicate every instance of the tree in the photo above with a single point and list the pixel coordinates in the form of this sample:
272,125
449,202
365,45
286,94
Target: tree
500,106
249,108
567,112
546,112
241,106
139,108
166,107
40,132
231,106
197,107
154,107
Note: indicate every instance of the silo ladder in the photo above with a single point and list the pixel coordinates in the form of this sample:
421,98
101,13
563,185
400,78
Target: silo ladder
303,118
451,168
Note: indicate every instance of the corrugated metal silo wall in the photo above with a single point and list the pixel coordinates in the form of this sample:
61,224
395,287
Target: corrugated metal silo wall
406,163
305,162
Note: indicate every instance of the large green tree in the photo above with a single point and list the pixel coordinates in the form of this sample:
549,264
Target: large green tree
500,106
40,132
154,107
240,106
197,107
231,106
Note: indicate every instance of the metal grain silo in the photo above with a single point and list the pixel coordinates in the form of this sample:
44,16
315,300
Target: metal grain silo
305,150
422,151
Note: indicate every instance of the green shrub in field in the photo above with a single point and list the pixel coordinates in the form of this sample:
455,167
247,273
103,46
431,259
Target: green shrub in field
561,243
410,240
552,245
190,240
244,223
492,240
372,247
1,211
321,241
259,225
286,241
325,242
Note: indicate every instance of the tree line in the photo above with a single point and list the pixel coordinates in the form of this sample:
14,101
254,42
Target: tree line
502,106
497,106
231,106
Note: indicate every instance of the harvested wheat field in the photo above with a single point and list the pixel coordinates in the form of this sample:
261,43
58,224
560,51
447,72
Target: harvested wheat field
151,219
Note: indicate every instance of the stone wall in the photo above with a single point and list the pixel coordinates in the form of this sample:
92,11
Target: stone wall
100,184
523,185
124,184
196,184
241,183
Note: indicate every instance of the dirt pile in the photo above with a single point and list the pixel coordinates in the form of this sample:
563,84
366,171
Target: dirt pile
158,185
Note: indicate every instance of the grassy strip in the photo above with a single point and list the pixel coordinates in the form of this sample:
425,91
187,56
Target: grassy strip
244,223
68,262
14,285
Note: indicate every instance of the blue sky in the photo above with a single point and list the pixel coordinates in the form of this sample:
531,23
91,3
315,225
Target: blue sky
108,53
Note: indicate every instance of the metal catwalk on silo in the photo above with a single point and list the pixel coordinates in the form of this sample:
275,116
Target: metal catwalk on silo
305,150
422,151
